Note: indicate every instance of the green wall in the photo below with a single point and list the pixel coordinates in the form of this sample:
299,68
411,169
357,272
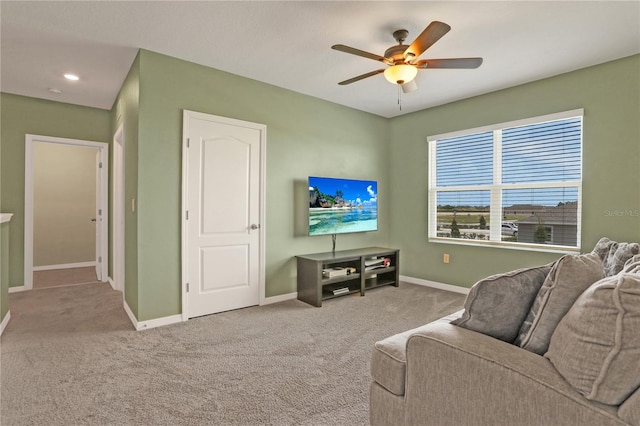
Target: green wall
305,136
610,96
125,112
19,116
308,136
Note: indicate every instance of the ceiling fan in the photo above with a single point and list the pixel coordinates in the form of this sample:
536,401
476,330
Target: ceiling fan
403,60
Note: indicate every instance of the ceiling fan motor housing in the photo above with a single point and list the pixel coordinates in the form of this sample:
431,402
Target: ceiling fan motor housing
396,53
401,70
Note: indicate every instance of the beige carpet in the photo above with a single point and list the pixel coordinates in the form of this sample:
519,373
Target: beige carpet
70,356
59,277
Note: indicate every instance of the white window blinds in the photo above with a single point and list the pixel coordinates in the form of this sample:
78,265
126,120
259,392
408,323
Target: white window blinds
515,183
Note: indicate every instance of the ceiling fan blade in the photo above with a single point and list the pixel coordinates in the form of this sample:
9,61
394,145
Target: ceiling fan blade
360,77
462,63
358,52
429,36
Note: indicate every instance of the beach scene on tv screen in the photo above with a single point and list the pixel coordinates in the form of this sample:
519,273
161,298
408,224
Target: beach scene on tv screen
339,206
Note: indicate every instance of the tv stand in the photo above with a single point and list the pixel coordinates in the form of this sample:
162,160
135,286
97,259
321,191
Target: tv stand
351,271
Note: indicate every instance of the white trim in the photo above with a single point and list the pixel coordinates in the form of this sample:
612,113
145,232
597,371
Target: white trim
112,283
434,284
4,322
132,317
262,214
147,325
65,266
18,289
118,206
508,124
183,214
512,246
103,202
158,322
186,115
278,299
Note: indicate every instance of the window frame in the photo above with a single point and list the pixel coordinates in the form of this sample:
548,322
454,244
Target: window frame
496,188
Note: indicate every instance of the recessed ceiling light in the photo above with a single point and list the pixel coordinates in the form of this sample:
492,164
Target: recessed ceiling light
71,77
55,91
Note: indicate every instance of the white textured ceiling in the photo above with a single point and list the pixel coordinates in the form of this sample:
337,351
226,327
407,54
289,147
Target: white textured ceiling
287,44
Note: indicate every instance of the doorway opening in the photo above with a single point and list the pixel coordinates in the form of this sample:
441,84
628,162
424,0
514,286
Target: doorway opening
63,235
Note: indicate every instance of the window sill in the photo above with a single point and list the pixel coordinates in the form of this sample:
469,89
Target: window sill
507,245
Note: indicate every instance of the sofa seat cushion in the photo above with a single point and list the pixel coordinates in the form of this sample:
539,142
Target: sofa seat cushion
388,361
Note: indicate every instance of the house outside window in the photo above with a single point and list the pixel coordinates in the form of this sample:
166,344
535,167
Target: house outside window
515,184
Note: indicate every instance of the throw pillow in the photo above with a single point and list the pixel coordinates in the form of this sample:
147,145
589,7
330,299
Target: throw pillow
497,305
596,346
632,265
614,255
602,248
569,277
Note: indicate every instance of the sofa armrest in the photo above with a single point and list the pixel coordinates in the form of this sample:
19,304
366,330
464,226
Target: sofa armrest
457,376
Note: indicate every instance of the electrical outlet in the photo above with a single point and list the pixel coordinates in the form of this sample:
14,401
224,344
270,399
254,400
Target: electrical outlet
445,258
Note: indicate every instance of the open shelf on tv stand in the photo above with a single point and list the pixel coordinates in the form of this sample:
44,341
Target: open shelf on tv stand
364,274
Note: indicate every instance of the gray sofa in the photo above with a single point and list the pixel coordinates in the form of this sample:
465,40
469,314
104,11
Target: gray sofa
445,374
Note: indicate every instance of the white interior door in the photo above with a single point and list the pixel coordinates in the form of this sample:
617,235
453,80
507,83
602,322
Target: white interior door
223,211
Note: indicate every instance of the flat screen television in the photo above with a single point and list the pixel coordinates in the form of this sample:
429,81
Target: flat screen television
338,206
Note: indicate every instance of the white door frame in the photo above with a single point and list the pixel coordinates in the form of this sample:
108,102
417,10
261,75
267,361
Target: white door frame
101,199
117,185
185,202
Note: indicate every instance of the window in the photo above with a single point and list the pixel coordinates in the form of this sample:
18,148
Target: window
514,184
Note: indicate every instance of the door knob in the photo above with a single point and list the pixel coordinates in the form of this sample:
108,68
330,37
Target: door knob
254,226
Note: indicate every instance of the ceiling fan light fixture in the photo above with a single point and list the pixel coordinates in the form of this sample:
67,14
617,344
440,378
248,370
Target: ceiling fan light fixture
400,74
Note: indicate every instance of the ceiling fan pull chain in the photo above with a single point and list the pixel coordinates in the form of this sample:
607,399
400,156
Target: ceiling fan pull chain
399,97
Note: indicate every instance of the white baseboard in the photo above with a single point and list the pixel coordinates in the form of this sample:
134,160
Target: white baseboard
280,298
132,317
112,283
4,322
17,289
159,322
434,284
147,325
65,266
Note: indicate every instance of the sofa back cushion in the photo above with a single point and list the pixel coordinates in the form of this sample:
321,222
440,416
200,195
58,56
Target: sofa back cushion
568,278
497,305
596,346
